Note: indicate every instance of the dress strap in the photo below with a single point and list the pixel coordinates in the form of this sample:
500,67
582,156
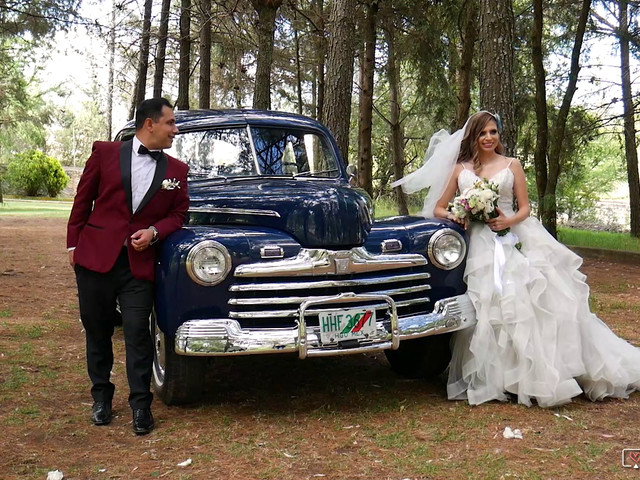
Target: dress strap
510,162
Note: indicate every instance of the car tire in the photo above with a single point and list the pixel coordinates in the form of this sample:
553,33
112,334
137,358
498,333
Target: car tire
176,379
425,357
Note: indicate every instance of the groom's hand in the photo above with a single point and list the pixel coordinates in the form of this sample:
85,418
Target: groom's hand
142,239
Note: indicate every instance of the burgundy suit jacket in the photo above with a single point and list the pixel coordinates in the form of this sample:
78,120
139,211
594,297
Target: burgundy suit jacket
101,218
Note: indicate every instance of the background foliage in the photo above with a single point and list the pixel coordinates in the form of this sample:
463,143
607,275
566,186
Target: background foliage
32,172
427,44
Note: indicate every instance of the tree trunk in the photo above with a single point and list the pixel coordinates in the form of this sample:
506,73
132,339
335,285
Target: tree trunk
239,72
385,176
542,132
298,70
339,79
204,82
469,37
161,51
365,117
549,205
143,60
185,56
497,91
267,10
112,68
397,133
321,51
630,147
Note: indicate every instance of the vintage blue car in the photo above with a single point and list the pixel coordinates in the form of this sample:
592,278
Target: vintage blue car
281,254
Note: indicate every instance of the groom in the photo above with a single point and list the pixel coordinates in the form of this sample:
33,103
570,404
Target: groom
130,196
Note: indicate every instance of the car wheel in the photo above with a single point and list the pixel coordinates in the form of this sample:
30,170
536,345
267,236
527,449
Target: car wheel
176,379
425,357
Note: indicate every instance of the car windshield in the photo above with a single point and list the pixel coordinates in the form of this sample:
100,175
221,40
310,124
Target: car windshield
252,151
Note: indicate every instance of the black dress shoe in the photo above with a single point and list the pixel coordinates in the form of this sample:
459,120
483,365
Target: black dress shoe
101,413
142,421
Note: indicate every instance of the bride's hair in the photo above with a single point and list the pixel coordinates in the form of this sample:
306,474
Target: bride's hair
469,145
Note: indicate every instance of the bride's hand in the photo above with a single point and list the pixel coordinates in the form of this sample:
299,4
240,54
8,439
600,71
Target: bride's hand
464,222
501,222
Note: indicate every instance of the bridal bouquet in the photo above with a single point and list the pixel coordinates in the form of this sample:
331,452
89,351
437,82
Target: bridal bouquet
479,202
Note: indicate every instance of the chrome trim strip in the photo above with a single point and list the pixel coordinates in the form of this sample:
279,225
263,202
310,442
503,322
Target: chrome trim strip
449,314
298,300
293,313
254,287
224,337
235,211
330,262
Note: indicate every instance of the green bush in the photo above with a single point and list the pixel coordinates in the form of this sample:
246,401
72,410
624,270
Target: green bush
23,174
55,178
33,172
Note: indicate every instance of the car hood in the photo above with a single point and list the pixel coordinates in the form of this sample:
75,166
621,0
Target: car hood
322,214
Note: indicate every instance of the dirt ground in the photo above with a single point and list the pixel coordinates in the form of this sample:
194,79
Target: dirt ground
278,417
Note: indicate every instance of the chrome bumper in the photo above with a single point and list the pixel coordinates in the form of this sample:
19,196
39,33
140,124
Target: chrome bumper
225,337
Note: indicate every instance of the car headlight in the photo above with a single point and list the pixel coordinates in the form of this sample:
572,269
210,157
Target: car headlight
446,249
208,263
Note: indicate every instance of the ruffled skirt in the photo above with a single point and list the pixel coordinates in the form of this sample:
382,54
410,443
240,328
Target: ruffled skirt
535,336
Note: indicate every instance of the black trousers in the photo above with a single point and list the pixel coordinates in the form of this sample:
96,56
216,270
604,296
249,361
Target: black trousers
97,293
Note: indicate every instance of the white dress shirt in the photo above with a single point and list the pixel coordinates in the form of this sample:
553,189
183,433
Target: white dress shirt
143,168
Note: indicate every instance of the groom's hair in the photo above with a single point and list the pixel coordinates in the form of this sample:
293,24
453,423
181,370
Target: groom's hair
150,108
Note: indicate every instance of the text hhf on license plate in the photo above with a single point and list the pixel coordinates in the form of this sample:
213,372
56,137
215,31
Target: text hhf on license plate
348,324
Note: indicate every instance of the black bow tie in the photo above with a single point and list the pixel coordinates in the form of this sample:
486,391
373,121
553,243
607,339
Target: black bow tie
156,154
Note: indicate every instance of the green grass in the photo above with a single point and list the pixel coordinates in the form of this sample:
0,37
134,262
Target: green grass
35,208
398,439
386,207
605,240
16,378
32,331
28,411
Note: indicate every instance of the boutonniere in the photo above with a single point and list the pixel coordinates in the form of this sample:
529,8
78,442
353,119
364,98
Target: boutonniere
170,184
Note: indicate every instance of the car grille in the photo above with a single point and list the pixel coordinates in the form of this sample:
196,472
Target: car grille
269,294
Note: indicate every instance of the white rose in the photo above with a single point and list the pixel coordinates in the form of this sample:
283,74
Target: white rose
487,195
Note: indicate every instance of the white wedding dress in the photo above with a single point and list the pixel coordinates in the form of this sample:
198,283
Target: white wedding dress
537,339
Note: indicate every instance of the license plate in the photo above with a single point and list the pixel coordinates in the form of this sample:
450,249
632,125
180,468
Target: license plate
351,324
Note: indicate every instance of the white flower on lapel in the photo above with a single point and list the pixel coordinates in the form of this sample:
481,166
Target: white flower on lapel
170,184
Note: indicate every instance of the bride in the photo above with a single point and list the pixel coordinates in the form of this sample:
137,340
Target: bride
535,336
